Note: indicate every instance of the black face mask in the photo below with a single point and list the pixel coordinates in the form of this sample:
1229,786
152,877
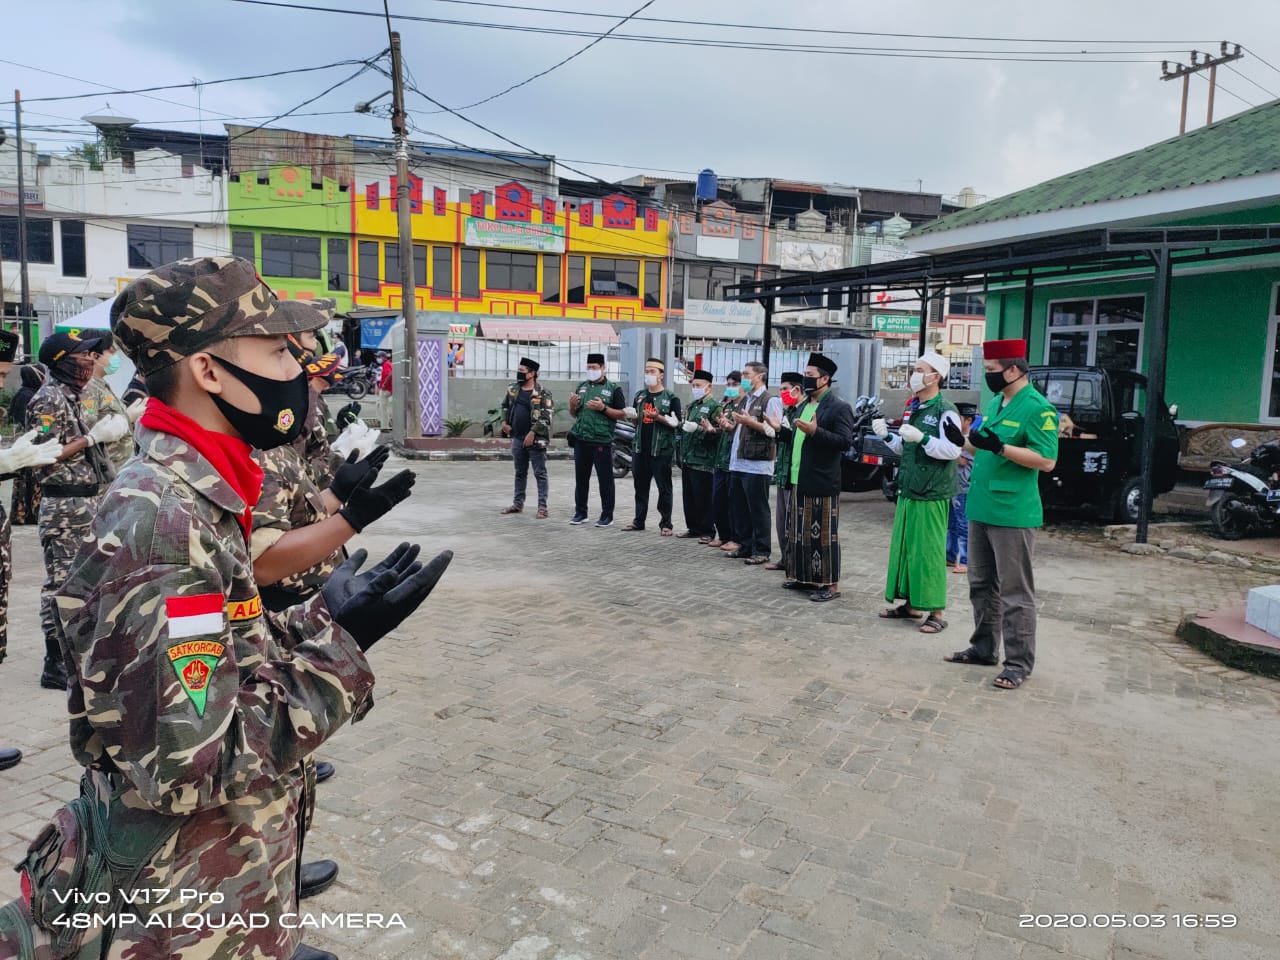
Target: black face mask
521,377
810,384
996,381
284,408
75,370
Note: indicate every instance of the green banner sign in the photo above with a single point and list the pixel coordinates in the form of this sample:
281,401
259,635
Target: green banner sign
544,238
885,323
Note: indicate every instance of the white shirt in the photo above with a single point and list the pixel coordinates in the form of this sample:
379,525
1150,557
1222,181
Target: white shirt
772,409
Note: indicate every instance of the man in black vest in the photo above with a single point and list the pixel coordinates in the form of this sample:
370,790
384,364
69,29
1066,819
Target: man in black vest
751,465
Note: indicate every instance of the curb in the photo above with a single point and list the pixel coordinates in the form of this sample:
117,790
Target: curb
553,453
1227,651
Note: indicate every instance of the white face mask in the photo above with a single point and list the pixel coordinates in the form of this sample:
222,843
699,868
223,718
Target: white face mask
917,382
650,380
698,393
594,374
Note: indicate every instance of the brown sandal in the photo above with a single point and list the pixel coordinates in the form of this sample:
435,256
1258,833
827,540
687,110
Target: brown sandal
512,509
541,514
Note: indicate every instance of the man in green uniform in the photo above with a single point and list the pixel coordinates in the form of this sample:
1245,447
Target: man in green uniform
698,450
790,392
72,487
187,707
657,411
929,443
21,455
596,406
99,399
1017,442
526,418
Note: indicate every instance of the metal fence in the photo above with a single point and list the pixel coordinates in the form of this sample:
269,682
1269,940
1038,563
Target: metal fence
896,364
475,357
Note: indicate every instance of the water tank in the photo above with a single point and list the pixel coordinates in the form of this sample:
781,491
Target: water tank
708,185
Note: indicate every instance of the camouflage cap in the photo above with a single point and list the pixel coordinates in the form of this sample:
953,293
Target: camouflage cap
189,305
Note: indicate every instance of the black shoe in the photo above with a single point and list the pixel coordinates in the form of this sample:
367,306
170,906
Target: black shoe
9,757
823,595
324,770
605,522
739,555
795,585
311,953
578,518
317,877
54,676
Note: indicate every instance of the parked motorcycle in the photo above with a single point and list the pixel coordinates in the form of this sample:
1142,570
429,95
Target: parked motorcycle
1245,495
869,463
623,434
358,382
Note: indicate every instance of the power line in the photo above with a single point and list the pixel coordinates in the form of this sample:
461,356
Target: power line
1260,59
364,66
917,53
1250,80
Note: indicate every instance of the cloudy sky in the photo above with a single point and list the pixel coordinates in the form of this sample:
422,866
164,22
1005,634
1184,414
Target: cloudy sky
885,121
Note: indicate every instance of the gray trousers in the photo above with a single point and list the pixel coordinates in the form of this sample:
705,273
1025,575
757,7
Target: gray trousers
524,457
1002,590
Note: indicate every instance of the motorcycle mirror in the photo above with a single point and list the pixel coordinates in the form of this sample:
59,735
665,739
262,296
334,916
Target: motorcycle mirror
1237,443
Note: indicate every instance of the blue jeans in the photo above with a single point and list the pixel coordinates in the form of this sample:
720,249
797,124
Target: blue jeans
958,531
525,457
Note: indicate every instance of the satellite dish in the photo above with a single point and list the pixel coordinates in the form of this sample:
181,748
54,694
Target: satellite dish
108,121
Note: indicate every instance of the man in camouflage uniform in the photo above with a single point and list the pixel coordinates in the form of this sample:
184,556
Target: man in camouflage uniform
73,487
184,699
526,418
316,441
21,455
698,450
99,399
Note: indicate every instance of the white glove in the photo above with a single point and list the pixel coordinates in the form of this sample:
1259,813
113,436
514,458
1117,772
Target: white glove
357,436
109,429
879,427
769,431
910,434
27,453
672,420
629,413
136,409
690,426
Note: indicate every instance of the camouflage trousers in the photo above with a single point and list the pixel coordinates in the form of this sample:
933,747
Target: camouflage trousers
65,524
6,575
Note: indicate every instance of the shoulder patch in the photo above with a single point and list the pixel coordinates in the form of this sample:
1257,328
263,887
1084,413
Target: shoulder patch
194,662
1050,420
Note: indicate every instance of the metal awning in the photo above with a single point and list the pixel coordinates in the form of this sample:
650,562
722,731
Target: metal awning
538,329
1145,252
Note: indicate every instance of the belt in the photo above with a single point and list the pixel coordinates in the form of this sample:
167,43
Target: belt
71,489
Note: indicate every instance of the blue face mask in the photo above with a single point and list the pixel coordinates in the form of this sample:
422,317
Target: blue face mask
730,392
113,364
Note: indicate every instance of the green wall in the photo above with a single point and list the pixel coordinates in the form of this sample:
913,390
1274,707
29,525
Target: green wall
1218,326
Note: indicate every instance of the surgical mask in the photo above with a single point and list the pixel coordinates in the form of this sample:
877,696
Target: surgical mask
731,392
789,399
996,381
698,392
650,380
113,364
594,374
284,408
810,384
917,381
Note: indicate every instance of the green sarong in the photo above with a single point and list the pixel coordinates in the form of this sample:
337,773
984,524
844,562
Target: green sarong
918,554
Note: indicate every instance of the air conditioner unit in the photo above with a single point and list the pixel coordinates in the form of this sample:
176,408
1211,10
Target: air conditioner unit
836,318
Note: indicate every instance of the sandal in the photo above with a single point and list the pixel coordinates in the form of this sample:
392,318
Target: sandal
632,526
755,561
704,540
666,531
933,624
541,514
687,535
775,566
960,568
902,612
969,656
797,585
713,542
730,547
512,509
1008,679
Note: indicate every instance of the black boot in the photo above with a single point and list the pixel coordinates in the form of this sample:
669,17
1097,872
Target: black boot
311,953
9,757
54,676
316,877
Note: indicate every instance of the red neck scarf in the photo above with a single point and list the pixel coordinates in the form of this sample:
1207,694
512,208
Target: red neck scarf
228,455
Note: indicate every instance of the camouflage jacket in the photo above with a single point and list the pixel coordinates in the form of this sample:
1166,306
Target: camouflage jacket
699,448
179,686
98,399
55,411
290,500
313,445
541,409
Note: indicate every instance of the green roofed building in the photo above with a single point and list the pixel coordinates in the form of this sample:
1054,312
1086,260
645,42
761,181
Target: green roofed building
1223,359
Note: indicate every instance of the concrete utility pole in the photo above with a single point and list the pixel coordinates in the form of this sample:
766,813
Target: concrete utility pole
24,294
1208,63
411,425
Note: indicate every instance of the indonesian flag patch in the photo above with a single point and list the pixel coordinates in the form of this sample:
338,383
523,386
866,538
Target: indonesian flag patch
195,660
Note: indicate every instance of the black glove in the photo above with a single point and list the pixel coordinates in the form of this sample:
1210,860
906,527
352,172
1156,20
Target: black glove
370,605
984,439
352,473
953,433
367,503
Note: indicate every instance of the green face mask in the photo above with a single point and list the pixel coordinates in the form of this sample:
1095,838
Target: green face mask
731,392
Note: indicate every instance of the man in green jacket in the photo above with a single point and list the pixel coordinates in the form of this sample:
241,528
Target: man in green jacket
698,449
929,443
1018,441
657,411
596,406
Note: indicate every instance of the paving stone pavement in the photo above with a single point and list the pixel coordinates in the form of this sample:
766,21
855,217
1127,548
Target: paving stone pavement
593,744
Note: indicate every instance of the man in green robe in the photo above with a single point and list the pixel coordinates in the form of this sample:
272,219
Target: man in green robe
929,442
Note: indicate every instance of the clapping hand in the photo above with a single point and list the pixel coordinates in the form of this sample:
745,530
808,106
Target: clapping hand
984,439
910,434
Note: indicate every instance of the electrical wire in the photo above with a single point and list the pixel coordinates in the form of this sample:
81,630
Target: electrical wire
364,66
1273,96
1265,63
1218,85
